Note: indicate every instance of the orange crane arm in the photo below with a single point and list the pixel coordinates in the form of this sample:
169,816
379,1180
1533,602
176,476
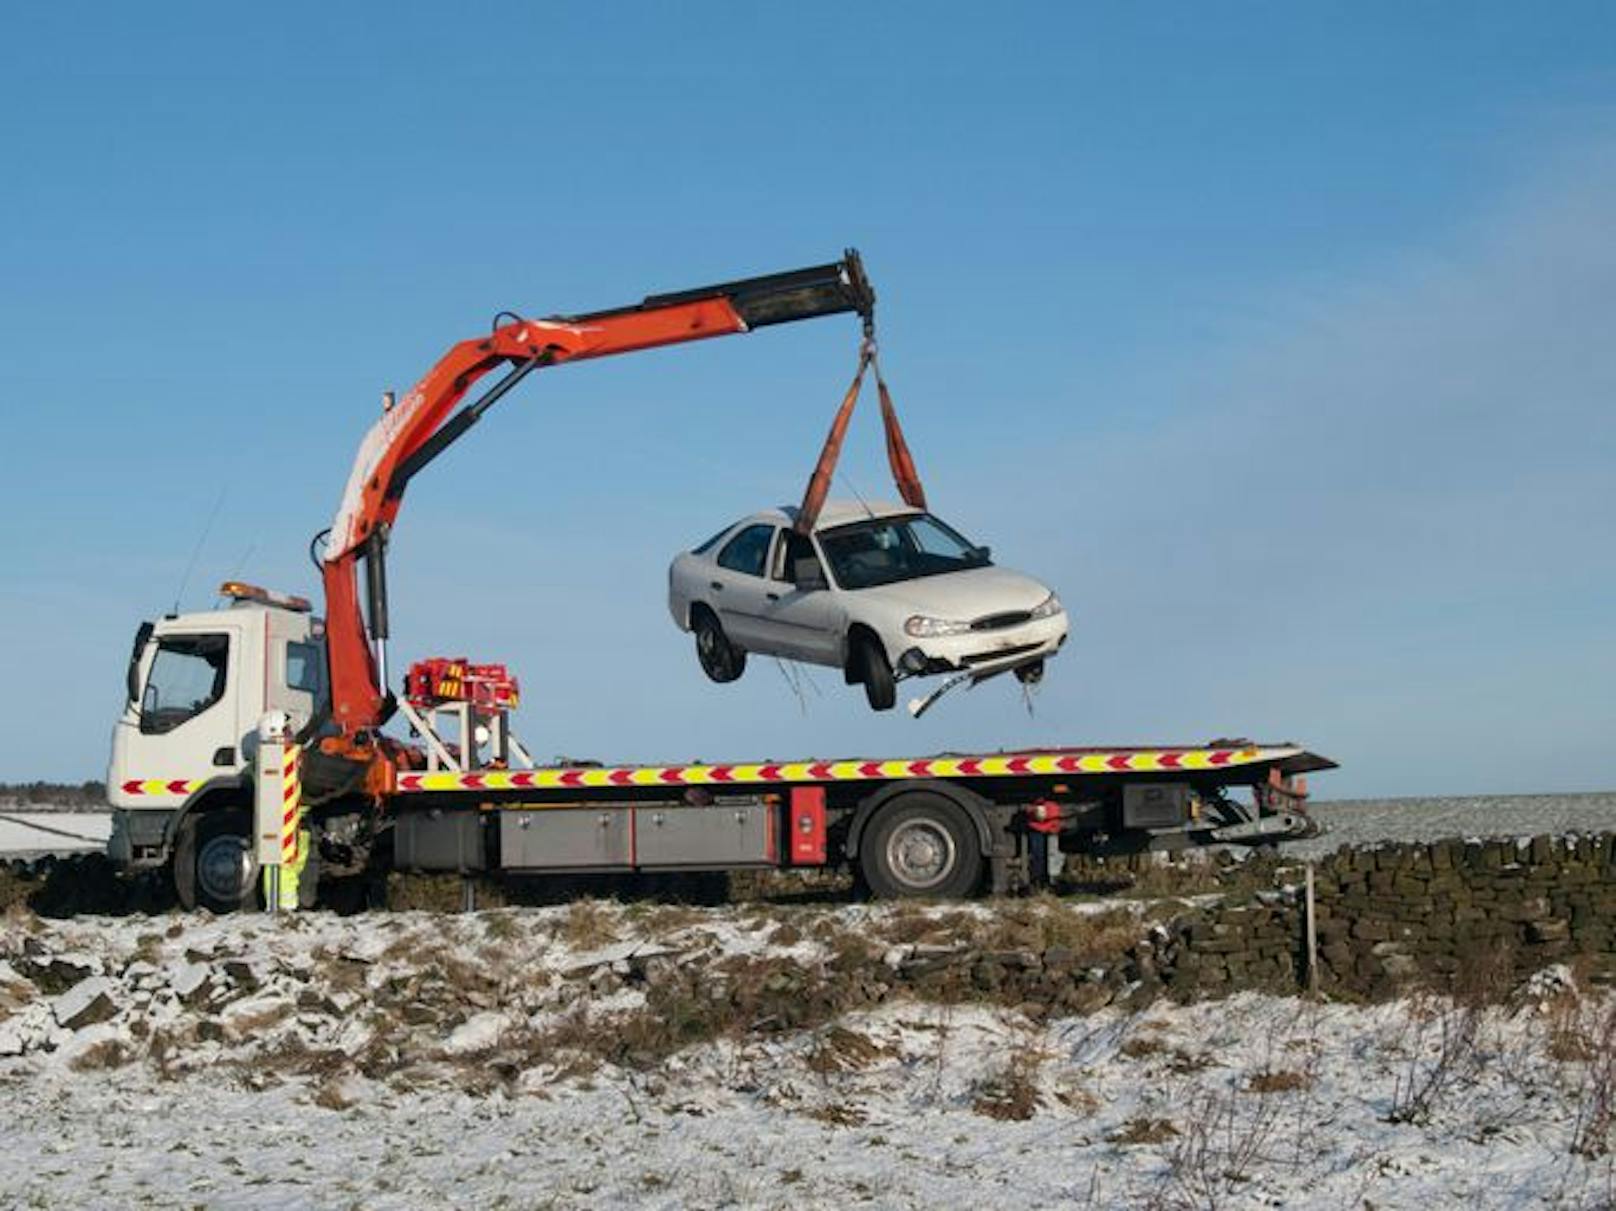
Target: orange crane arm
425,422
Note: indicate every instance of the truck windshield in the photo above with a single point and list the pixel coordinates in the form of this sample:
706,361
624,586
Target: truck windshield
885,550
187,677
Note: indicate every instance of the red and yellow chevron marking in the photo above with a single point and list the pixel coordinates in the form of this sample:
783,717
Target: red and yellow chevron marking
160,786
1002,765
291,804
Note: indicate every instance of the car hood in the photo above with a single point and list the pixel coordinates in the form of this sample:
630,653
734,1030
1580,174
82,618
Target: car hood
962,596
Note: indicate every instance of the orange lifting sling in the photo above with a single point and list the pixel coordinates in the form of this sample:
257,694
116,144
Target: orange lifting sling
898,456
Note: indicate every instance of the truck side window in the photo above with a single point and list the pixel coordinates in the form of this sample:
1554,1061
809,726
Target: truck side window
305,670
187,677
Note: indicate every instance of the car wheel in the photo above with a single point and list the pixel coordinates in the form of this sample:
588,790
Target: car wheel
224,868
720,659
876,672
921,844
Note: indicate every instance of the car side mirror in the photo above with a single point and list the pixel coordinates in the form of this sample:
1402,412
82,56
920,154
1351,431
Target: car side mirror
807,575
982,554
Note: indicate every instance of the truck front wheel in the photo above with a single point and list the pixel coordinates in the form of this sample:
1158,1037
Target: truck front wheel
921,844
214,865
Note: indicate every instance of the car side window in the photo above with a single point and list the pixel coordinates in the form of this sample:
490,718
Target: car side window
794,548
748,551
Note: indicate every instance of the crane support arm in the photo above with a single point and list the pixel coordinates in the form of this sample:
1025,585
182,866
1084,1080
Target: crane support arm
425,422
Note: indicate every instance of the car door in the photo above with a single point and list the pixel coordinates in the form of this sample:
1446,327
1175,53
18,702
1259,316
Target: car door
740,586
802,620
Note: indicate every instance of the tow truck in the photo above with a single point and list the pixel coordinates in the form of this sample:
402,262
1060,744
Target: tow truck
461,793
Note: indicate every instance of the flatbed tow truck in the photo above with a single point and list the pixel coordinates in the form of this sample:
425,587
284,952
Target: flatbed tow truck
252,736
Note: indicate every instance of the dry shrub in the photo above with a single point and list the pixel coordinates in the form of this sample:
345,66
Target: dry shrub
108,1053
1138,1048
842,1050
1282,1081
1422,1085
1009,1093
1226,1136
1595,1129
588,924
501,926
331,1095
1044,921
1143,1129
837,1114
908,923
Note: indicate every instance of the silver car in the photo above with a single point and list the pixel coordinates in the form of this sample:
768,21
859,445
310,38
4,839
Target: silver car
881,591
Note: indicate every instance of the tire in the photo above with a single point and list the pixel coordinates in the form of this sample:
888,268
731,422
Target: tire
875,671
720,659
921,844
223,871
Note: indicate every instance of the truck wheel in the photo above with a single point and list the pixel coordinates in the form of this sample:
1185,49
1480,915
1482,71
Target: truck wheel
720,659
876,673
921,844
224,870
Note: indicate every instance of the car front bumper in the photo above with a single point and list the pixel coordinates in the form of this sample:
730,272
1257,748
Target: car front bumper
1041,637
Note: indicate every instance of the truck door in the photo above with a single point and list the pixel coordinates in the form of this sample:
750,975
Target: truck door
297,667
183,728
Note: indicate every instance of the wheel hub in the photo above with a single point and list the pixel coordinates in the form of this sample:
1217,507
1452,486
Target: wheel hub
224,869
921,853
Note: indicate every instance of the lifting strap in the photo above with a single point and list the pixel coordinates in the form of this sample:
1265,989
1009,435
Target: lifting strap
898,456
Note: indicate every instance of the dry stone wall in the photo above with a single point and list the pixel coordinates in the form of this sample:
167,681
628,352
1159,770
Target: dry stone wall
1446,913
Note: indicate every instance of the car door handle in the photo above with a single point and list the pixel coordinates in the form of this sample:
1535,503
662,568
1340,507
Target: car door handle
717,584
772,596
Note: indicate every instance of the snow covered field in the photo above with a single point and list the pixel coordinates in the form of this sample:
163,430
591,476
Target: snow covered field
1364,821
416,1060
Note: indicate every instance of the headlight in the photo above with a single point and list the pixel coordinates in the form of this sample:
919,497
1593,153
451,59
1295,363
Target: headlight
1047,608
923,627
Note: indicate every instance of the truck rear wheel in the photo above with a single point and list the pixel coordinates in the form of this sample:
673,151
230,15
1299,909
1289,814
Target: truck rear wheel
921,844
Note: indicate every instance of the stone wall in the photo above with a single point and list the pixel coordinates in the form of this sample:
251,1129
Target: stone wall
1449,914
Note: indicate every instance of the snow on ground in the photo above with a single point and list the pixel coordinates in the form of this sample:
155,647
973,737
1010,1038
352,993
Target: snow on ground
1248,1102
1366,821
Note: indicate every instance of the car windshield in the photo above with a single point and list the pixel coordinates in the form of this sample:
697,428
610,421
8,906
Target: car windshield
885,550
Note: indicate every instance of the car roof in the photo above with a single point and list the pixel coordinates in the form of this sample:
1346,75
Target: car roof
835,513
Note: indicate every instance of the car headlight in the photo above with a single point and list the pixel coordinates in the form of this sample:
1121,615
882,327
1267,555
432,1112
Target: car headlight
922,626
1048,608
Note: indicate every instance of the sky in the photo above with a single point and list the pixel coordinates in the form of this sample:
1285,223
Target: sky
1278,338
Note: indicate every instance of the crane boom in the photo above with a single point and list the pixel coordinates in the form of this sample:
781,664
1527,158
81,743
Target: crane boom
424,423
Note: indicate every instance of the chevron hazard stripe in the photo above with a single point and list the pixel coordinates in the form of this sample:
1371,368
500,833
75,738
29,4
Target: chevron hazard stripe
999,765
159,786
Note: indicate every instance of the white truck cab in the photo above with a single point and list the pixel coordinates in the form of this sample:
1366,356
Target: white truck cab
197,685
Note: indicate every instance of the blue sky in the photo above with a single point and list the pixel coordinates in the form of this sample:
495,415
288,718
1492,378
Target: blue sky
1277,337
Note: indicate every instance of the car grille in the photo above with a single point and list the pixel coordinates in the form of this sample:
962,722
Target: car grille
998,654
997,622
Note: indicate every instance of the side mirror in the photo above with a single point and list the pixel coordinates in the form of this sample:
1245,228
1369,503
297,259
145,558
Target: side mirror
132,675
807,575
982,554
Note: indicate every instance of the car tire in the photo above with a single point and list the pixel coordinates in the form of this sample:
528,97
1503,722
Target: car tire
921,844
720,659
875,671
